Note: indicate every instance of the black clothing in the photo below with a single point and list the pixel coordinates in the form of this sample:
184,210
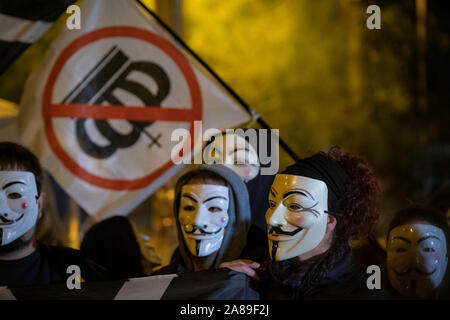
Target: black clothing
176,265
48,264
216,284
258,191
257,247
368,252
441,293
112,243
341,282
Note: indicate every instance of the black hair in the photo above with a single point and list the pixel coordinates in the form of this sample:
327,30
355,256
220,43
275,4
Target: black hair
419,212
207,175
16,157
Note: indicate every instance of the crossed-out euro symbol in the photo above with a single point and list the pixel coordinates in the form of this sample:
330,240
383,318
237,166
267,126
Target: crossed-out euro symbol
93,89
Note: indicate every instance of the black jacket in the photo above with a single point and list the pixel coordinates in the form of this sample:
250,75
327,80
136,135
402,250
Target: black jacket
46,265
342,282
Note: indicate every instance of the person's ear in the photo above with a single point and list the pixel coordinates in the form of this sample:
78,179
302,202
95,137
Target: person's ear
40,201
331,224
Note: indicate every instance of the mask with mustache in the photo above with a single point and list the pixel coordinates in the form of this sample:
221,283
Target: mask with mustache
203,216
416,259
18,204
296,217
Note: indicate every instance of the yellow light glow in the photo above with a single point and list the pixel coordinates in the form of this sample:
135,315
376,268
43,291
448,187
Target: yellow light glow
8,109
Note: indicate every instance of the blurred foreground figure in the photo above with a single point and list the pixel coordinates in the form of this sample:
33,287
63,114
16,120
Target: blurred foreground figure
212,214
316,206
114,244
417,254
22,260
234,152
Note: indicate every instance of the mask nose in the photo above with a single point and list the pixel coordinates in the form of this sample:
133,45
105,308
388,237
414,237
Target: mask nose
7,215
422,262
277,218
201,218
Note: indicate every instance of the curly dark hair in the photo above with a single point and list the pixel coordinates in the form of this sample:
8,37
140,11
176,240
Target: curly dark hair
360,211
361,204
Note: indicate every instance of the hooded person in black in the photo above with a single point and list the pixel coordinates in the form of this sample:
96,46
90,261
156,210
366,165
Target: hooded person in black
212,215
316,206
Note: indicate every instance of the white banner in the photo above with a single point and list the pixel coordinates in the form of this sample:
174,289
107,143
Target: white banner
100,110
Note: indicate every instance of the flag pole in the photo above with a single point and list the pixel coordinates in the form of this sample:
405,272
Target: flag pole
251,111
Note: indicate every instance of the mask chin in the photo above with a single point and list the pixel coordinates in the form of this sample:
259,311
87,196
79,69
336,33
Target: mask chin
204,247
246,171
300,243
16,245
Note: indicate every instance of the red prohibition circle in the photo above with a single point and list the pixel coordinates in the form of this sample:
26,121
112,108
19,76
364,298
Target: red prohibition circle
48,108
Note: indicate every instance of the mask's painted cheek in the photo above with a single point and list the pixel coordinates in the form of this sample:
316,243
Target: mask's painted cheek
186,217
304,220
221,220
297,220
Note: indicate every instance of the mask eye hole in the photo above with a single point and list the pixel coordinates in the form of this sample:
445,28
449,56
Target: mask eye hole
400,250
272,204
214,209
295,207
14,195
189,208
429,250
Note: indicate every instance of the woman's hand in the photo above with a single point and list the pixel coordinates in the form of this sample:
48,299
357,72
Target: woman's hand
242,265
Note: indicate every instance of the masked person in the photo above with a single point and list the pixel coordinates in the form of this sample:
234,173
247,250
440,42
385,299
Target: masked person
316,206
235,152
212,215
22,260
417,254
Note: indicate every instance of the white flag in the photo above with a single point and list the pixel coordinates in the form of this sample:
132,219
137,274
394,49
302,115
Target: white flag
100,110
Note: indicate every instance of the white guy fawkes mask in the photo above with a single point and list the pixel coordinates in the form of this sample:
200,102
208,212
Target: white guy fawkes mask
416,259
296,217
203,215
18,204
235,152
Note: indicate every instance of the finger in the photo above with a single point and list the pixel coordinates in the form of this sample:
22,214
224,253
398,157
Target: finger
251,273
246,261
251,264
